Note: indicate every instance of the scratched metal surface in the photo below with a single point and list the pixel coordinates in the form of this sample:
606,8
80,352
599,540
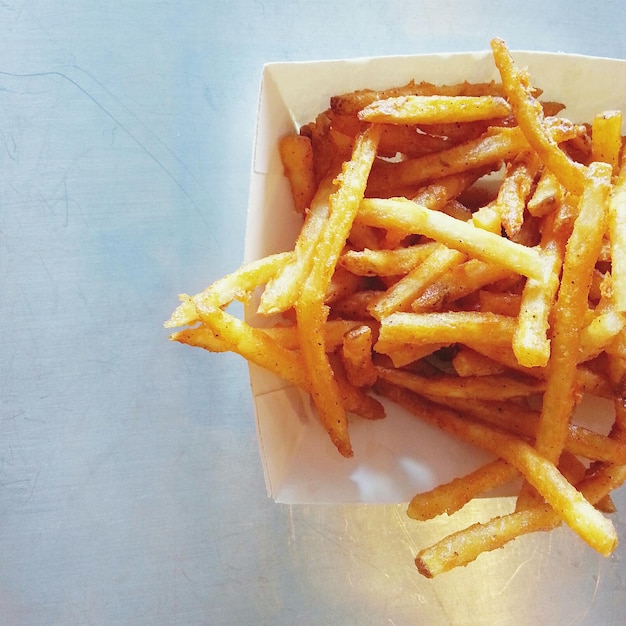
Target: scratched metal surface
130,484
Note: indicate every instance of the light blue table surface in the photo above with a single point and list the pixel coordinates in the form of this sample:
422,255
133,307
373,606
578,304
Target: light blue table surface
131,490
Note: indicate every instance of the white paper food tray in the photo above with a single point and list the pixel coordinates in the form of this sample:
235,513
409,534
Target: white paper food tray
398,456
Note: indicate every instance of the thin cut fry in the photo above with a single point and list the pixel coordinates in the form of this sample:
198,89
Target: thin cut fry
606,138
581,254
356,353
310,309
531,343
435,109
464,546
617,236
486,151
400,295
283,289
296,154
529,115
402,214
451,497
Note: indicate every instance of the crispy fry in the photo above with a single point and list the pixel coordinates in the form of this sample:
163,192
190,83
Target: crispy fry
451,497
400,295
458,283
311,312
282,290
606,138
531,343
435,109
468,362
462,254
473,327
581,254
486,151
386,262
529,115
462,547
489,388
617,236
523,421
356,353
515,188
567,502
353,102
402,214
547,196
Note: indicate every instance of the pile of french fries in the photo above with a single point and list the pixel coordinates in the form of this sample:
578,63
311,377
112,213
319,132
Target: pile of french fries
463,254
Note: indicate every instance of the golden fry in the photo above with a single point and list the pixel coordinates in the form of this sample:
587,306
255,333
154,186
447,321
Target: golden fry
473,327
311,312
565,499
451,497
617,236
356,354
482,388
400,295
486,151
402,214
606,138
529,115
581,254
435,109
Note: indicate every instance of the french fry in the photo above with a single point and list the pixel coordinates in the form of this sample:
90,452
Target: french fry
486,151
311,312
606,138
458,283
446,328
567,502
282,291
400,295
464,546
500,302
402,214
453,496
514,190
581,254
356,354
547,196
468,362
413,109
523,421
482,388
386,262
353,102
462,254
617,236
531,343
